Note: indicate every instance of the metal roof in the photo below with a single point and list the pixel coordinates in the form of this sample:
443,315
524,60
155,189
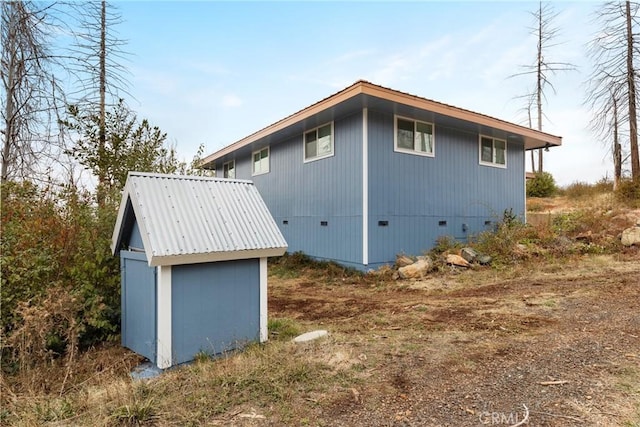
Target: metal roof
365,94
189,219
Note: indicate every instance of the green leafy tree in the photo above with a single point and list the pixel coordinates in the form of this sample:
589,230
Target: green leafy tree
129,146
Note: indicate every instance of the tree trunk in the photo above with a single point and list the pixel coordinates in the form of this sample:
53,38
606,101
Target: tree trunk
633,123
8,122
617,149
539,84
102,137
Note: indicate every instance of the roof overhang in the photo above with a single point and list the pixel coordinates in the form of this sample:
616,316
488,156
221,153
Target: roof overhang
363,94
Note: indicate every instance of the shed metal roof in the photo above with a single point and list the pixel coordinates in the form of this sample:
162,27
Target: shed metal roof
189,219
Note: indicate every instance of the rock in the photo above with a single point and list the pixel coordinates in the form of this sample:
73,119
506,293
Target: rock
403,261
585,237
457,260
310,336
469,254
631,236
418,269
484,259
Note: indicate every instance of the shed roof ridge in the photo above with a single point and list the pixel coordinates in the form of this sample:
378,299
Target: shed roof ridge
184,177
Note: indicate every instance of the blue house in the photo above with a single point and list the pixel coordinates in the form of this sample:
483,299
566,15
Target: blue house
370,172
193,256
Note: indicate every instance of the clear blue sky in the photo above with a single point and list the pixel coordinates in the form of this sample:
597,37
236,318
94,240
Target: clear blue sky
214,72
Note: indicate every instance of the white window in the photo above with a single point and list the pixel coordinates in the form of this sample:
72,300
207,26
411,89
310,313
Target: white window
229,169
261,161
318,143
493,151
414,137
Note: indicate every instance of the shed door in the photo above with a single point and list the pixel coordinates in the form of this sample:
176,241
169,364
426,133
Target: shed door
138,297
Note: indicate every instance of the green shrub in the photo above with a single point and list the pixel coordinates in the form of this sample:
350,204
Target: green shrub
541,185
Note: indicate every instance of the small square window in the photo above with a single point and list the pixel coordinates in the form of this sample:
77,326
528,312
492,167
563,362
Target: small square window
318,143
493,151
414,137
261,161
229,169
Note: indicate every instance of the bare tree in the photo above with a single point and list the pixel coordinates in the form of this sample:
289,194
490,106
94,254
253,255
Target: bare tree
103,77
32,97
542,69
612,86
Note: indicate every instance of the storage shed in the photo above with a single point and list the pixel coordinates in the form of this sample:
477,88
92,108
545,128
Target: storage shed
193,255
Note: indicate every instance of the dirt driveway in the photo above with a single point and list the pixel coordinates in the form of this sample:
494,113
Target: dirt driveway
553,345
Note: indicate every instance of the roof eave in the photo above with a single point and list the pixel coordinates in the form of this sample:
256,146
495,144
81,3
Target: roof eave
533,138
215,256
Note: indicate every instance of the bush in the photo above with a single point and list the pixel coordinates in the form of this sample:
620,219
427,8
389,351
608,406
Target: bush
542,185
628,192
579,190
55,243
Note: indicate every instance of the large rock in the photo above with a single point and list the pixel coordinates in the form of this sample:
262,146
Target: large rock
416,270
469,254
457,260
631,236
403,261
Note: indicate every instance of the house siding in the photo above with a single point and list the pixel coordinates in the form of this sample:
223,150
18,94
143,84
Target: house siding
215,307
305,194
415,193
412,194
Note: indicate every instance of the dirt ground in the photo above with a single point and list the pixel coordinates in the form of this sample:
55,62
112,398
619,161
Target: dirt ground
553,345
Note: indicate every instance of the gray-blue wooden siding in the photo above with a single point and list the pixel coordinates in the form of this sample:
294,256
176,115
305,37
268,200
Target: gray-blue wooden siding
413,194
215,307
138,304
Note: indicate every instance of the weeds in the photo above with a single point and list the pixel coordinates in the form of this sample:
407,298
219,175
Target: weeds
283,328
296,264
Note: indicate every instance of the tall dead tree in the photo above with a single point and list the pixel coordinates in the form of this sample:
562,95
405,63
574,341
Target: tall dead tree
612,86
31,95
543,68
100,66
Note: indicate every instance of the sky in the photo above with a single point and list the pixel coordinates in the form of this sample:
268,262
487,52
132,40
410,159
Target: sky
213,72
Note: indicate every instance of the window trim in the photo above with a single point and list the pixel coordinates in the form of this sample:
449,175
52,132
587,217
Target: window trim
253,161
234,168
493,163
304,143
414,151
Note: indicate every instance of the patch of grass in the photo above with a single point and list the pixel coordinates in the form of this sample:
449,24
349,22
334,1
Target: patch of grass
297,264
283,328
628,193
135,414
582,190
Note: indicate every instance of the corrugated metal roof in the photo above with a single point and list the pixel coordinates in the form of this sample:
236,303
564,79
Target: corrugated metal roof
188,219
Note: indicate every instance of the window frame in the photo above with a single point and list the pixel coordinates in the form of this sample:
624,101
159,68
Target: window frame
253,161
413,151
304,143
226,172
493,162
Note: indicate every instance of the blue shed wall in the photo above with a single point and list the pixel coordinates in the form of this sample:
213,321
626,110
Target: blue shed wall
215,307
415,193
135,241
304,194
